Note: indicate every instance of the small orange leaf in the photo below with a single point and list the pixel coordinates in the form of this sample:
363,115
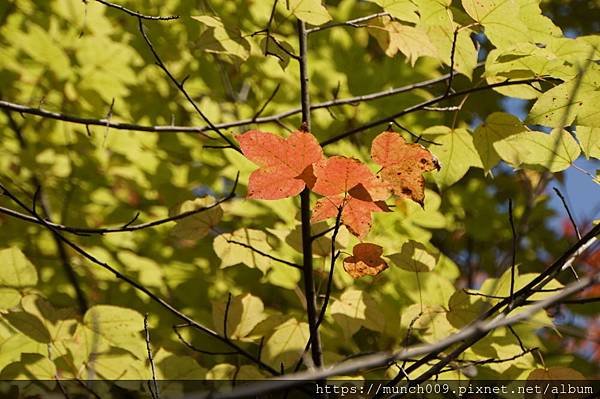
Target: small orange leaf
403,165
285,164
366,260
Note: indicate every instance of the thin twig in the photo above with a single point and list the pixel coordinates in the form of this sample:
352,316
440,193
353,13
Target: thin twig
226,316
353,23
266,255
37,111
152,387
137,14
127,227
571,218
513,264
452,53
181,88
424,104
139,287
195,349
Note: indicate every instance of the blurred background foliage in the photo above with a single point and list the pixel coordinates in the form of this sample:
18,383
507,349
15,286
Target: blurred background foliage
84,59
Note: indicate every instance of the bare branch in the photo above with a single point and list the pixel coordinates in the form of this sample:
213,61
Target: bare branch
180,86
424,104
468,335
127,227
139,287
23,109
353,23
571,218
266,255
153,388
137,14
307,256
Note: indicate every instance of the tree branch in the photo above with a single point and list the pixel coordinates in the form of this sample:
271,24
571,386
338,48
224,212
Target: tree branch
139,287
181,88
127,227
135,13
469,334
307,256
425,104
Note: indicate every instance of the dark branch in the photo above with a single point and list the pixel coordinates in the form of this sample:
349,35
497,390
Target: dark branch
153,388
139,287
180,86
137,14
266,255
120,229
425,104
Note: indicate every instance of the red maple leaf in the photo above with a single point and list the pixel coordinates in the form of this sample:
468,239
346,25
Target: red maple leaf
403,165
285,164
349,185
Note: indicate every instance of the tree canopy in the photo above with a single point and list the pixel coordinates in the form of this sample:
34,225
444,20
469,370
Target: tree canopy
237,190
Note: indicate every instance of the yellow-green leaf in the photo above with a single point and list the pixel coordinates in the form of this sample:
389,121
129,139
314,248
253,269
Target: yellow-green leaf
455,152
286,344
245,312
415,257
555,151
589,139
196,226
496,127
16,270
500,18
310,11
237,248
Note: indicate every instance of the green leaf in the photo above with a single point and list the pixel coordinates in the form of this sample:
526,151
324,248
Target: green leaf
9,298
29,325
500,18
119,326
192,228
556,106
393,37
321,245
221,39
465,53
16,270
555,374
38,367
309,11
403,10
464,308
222,372
236,248
12,348
589,139
555,151
356,308
576,98
415,257
177,368
286,344
111,366
496,127
245,312
455,152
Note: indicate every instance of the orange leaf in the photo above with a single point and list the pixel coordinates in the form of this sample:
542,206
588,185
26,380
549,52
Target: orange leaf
350,185
365,260
285,164
403,165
